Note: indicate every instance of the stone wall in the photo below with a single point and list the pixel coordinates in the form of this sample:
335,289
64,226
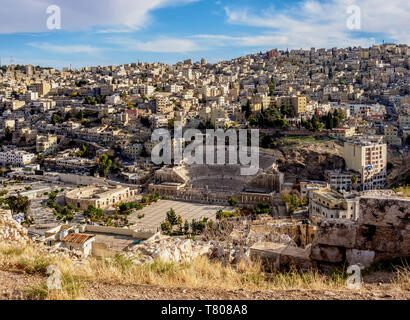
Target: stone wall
136,234
381,233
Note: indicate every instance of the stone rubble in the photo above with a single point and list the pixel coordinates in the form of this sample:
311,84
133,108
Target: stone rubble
11,230
382,232
168,249
178,249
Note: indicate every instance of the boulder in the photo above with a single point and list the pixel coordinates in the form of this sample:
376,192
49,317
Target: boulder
405,243
176,255
186,248
336,232
11,230
385,212
162,254
385,239
240,256
355,256
277,256
326,253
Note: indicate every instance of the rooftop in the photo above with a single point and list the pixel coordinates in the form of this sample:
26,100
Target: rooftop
78,238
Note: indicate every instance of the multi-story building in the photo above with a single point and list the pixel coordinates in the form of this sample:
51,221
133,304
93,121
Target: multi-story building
368,157
16,158
331,204
298,104
14,104
132,150
307,187
391,134
404,121
43,88
162,105
74,163
343,180
149,145
343,133
30,96
211,114
46,144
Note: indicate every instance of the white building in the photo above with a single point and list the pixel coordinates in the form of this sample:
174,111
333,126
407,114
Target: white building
333,205
16,158
368,157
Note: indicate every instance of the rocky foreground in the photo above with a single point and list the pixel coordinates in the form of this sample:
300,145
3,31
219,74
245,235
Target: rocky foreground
14,287
179,275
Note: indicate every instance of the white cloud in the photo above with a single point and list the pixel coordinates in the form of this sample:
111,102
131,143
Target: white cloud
313,23
160,45
263,40
31,16
68,49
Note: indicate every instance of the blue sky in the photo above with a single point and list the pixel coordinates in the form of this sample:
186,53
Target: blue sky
105,32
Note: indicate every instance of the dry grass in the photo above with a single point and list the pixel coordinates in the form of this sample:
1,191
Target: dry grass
200,273
402,278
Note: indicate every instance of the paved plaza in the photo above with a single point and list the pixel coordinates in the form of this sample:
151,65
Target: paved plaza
155,214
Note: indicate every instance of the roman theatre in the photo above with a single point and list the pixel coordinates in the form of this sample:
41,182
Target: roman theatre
216,184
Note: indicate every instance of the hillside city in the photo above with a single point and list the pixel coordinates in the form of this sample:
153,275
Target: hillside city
332,187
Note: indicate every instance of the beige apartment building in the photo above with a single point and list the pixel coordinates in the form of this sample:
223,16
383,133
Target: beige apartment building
368,157
211,114
42,88
391,134
298,104
46,144
404,121
333,205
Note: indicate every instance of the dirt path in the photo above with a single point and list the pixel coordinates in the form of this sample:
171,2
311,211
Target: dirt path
14,285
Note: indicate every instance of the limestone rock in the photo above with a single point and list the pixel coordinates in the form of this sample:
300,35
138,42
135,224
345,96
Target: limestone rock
325,253
11,230
278,256
405,243
385,212
335,232
385,239
355,256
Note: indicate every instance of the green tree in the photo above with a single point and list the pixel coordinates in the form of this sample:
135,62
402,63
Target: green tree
105,164
93,212
90,100
198,227
8,134
272,87
172,217
219,214
354,181
55,118
166,227
186,226
233,202
329,121
253,122
19,204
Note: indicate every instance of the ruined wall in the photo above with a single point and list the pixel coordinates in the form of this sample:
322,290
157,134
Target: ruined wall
382,232
268,181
